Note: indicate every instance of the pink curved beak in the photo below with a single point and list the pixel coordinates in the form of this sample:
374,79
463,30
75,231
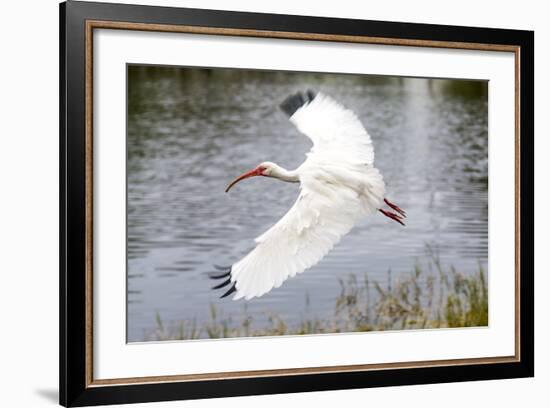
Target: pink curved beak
255,172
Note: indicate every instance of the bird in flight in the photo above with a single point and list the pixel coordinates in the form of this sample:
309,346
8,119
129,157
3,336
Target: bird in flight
338,186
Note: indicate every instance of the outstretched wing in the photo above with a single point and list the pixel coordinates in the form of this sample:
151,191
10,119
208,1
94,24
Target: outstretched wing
305,234
334,130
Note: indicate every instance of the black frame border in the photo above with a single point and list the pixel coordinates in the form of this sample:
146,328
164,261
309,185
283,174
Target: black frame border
72,102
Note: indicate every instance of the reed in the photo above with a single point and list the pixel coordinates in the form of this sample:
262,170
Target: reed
434,299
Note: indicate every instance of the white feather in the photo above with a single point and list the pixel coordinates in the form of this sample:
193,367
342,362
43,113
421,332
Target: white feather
338,186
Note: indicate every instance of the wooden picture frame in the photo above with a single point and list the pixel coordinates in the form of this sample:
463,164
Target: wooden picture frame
78,20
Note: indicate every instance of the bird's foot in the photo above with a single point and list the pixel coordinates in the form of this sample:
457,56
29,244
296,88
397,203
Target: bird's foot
395,207
393,216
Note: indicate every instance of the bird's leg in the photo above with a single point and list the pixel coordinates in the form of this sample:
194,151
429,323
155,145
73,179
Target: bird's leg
393,216
395,207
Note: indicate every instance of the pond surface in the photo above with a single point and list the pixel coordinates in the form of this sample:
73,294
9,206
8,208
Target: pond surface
191,131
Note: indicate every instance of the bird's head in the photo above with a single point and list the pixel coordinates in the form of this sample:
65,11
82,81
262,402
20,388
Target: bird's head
266,169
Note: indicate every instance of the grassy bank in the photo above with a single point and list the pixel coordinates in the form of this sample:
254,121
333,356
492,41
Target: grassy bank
422,299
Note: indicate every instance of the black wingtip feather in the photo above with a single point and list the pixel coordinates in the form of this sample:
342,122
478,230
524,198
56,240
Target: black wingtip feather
230,291
223,275
221,285
294,102
226,274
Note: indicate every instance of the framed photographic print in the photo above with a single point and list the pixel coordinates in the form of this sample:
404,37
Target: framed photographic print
256,203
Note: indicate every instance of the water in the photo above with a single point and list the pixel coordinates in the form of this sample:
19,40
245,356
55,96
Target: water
190,131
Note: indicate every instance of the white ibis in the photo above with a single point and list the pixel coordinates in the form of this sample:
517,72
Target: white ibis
338,186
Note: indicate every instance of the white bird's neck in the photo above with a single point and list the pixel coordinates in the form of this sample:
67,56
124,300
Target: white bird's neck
290,176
